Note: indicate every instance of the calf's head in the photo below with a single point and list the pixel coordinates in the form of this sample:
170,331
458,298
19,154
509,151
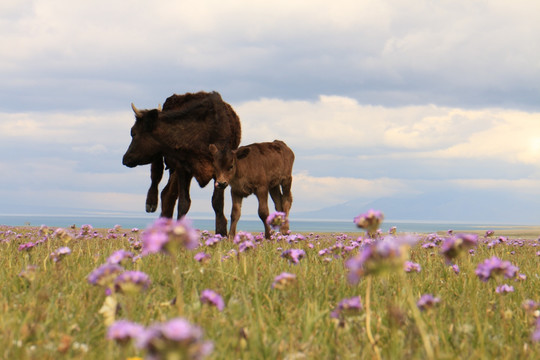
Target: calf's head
225,164
143,148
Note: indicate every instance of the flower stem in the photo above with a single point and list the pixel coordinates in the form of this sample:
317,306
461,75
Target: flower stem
368,320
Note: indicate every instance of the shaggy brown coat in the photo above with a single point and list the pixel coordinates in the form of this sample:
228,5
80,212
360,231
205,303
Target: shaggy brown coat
182,135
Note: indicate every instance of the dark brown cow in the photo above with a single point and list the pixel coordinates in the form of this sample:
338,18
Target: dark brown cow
259,169
182,136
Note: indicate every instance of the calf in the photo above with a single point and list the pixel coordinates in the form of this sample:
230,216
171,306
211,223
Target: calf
259,169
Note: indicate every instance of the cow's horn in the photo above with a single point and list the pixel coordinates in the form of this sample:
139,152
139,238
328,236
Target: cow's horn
135,110
159,107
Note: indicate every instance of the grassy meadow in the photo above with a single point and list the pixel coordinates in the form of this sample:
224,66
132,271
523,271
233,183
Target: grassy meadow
52,310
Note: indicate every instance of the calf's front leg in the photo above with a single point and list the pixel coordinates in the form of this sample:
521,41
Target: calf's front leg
235,213
262,196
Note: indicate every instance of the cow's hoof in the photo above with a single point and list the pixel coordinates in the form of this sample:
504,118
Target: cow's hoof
150,208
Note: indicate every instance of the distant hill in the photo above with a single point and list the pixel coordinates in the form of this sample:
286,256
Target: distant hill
482,206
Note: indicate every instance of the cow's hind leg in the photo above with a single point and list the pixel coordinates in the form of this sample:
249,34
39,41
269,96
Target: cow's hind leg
286,200
156,173
275,194
218,202
169,194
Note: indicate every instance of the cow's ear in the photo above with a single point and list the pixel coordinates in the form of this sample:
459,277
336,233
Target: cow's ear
150,119
242,153
213,149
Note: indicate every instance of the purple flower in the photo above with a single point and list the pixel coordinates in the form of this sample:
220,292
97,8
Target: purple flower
536,334
347,307
122,331
242,236
212,298
427,301
168,236
213,240
293,255
57,255
174,339
376,257
246,245
105,275
455,268
452,246
495,267
283,280
202,257
503,289
489,233
130,282
370,221
277,220
119,256
26,246
412,266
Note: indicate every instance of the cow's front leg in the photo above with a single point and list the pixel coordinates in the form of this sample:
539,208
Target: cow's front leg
218,202
184,183
156,173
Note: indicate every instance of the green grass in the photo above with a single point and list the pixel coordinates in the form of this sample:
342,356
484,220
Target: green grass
57,316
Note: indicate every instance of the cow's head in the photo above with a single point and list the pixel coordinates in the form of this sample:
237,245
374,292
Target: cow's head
225,162
143,148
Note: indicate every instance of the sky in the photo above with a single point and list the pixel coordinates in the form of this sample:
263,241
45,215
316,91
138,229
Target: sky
400,101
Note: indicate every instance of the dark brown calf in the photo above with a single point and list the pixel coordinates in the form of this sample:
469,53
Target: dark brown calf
259,169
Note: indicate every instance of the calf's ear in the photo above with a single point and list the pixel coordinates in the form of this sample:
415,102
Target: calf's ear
242,153
213,149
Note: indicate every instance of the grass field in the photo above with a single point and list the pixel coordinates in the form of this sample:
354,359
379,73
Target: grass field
340,300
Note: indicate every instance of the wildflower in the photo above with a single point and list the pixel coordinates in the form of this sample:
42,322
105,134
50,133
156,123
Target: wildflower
347,307
213,240
489,233
531,307
376,257
122,331
452,246
293,255
242,236
392,230
277,220
370,221
246,245
130,282
212,298
27,246
503,289
495,266
119,256
455,268
411,266
105,275
202,257
57,255
85,230
427,301
536,334
63,235
166,235
283,280
174,339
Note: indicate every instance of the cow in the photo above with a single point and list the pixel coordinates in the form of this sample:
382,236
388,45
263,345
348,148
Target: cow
181,136
259,169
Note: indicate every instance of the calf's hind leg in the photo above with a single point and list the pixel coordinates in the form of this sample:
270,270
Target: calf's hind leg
286,200
262,196
275,193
